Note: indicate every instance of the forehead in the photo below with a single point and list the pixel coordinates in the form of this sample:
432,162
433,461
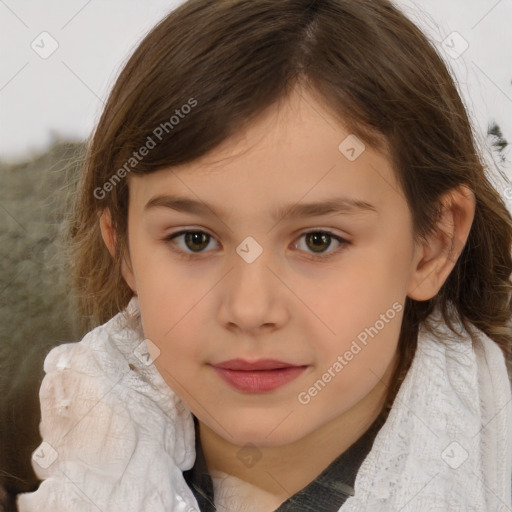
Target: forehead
296,151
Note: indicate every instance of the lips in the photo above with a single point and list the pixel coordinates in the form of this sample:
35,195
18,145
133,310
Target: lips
259,376
261,364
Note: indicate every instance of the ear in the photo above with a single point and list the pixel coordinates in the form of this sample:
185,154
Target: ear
436,257
108,234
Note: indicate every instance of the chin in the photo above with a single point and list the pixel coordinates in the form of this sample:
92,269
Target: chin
265,433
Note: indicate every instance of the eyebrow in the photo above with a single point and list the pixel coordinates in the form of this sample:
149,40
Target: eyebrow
336,205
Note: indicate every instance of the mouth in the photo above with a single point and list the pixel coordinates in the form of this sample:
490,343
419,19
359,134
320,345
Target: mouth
259,365
259,376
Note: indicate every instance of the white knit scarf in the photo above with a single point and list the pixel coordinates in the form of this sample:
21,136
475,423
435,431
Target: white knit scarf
116,438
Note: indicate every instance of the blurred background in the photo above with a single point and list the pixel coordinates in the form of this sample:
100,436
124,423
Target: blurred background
59,61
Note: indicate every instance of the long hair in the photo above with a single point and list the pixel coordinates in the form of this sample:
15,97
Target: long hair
210,67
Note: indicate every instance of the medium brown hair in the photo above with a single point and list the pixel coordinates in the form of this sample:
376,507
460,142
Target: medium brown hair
377,73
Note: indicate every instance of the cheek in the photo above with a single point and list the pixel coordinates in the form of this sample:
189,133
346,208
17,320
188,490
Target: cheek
354,361
169,327
361,315
357,296
361,340
164,292
171,324
172,310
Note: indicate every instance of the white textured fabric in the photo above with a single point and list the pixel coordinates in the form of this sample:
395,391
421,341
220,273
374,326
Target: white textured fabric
116,438
447,443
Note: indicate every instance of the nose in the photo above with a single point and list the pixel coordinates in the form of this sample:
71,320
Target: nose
253,296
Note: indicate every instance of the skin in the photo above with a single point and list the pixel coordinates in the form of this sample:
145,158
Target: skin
286,304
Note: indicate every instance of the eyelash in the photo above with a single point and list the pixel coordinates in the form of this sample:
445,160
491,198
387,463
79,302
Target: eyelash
192,255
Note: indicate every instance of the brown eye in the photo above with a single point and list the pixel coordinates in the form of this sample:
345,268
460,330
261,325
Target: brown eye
196,240
318,242
191,241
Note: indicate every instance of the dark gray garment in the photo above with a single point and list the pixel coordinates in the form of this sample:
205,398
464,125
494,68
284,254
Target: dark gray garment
326,493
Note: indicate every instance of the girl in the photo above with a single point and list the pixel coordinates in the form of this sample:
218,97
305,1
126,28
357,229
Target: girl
299,273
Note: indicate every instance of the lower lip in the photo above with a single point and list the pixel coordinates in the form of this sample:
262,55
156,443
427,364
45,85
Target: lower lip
259,381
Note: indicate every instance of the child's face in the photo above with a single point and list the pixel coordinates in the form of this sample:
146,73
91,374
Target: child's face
337,318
